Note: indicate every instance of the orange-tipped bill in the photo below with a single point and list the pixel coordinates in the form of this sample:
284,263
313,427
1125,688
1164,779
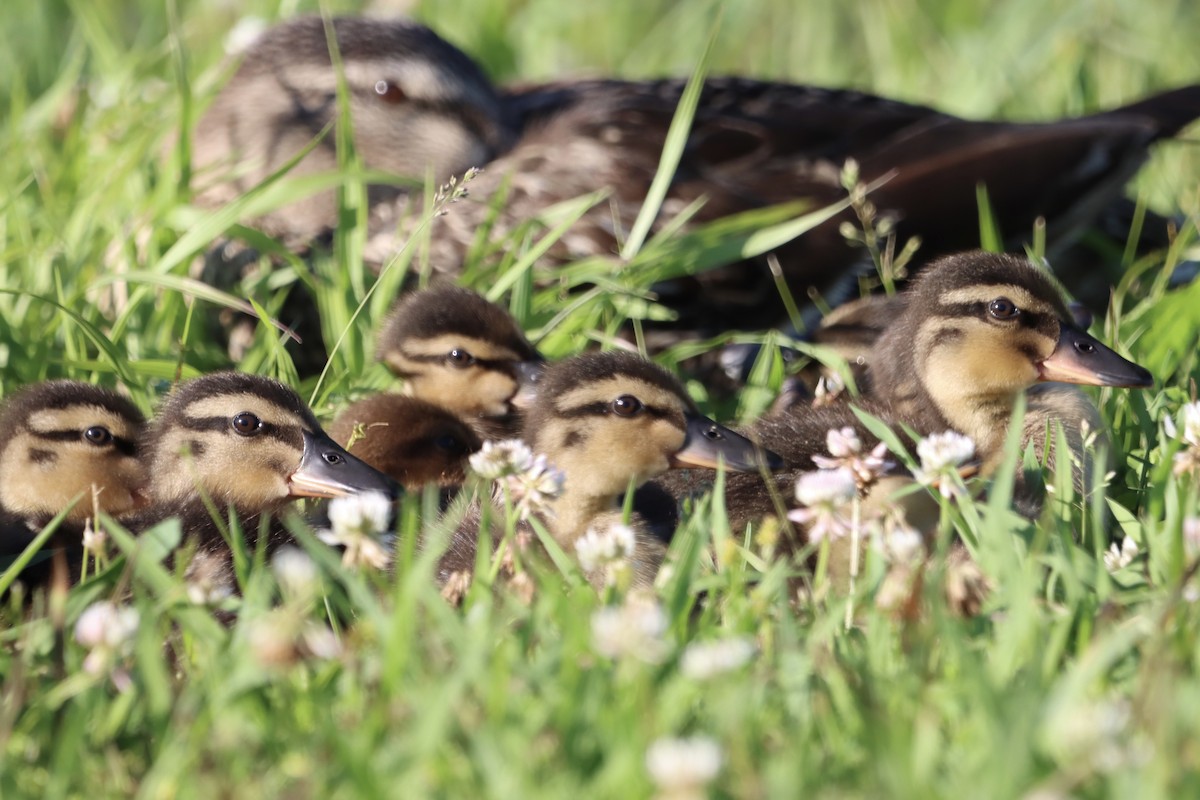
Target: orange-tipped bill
1079,358
707,443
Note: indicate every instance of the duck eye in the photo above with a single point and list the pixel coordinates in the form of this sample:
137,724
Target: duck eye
98,435
460,358
1003,308
626,405
389,92
246,424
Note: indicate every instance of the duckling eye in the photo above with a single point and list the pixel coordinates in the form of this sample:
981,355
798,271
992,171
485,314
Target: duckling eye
460,358
1003,308
389,92
98,435
246,424
446,442
626,405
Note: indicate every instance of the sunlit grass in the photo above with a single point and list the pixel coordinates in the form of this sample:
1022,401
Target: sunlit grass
1077,681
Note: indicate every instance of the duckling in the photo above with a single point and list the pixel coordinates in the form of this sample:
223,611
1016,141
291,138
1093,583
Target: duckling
413,442
976,331
65,445
972,333
457,350
752,144
610,421
249,445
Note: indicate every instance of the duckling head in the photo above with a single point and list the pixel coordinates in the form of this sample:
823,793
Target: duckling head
60,441
248,442
419,106
413,442
978,329
459,351
611,419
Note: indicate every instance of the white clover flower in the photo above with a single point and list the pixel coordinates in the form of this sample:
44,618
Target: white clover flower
107,630
243,34
358,521
845,447
941,455
900,543
1189,420
209,579
367,513
682,768
635,630
704,660
1191,537
498,459
1094,734
1188,459
825,493
826,487
1117,557
95,540
829,389
533,490
597,549
295,573
319,642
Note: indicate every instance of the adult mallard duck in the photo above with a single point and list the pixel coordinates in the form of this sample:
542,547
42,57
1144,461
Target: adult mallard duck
421,107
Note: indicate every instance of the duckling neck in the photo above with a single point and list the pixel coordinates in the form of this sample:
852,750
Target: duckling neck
985,419
574,513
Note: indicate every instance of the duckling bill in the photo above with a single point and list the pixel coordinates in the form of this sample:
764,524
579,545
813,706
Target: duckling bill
1080,358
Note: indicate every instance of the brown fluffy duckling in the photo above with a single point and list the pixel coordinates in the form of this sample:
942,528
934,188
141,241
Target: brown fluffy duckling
459,351
413,442
65,443
610,421
752,144
250,446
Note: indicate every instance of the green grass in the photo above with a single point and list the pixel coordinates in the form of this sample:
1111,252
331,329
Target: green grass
1076,682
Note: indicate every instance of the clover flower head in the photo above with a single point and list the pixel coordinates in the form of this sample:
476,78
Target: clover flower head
108,631
498,459
357,524
845,451
1119,556
682,768
636,629
533,490
825,495
704,660
941,455
607,550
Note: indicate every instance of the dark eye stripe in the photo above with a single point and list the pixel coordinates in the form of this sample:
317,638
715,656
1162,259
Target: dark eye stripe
600,409
126,446
289,434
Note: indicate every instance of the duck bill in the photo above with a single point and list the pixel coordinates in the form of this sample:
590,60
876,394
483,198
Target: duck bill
326,470
1079,358
528,374
707,444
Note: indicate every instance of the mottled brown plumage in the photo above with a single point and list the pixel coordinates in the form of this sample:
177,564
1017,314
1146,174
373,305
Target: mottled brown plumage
422,107
413,442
